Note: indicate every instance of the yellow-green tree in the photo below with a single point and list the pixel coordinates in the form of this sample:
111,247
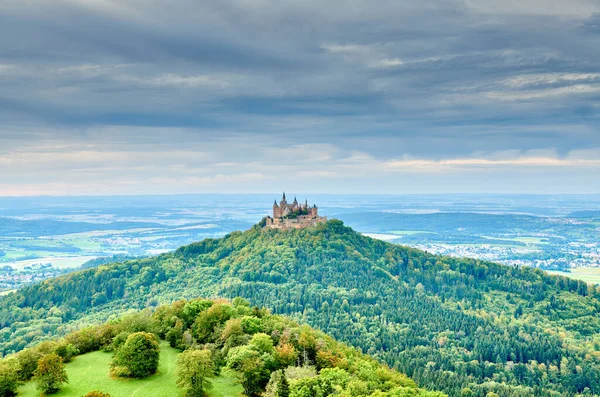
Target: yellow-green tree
50,374
194,367
9,378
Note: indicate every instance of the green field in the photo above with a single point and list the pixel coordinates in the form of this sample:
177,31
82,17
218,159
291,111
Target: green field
59,262
588,274
44,248
83,243
524,239
532,240
90,372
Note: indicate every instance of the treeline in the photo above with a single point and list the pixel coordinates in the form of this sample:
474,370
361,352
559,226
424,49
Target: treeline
272,355
457,325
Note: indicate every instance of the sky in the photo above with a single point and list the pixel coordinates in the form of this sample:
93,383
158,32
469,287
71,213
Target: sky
252,96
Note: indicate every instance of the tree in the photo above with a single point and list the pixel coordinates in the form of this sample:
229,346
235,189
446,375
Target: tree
28,362
252,366
466,392
138,357
67,351
284,387
285,355
262,342
278,385
193,369
50,374
9,378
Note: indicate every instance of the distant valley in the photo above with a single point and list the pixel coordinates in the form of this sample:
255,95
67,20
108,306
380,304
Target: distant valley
43,237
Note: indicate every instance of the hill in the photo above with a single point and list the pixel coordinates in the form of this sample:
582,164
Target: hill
247,350
458,325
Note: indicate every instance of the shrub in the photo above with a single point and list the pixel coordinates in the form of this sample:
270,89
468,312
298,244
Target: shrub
97,393
138,357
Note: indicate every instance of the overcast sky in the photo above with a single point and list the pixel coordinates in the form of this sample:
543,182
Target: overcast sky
188,96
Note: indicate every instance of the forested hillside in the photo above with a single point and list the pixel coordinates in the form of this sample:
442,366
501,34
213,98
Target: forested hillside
463,326
270,356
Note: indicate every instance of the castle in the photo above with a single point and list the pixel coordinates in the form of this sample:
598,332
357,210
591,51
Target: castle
294,215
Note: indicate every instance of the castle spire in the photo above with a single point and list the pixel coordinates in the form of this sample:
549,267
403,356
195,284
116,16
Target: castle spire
275,203
284,196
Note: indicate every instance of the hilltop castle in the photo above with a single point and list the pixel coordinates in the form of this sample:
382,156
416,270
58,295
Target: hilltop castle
294,215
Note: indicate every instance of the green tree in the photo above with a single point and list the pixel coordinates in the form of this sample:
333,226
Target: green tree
67,351
50,374
284,387
28,362
193,369
262,342
252,366
278,385
138,356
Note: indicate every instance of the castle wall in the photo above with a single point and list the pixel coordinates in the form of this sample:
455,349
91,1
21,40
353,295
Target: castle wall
298,223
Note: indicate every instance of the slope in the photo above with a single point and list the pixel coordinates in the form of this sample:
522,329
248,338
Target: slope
247,350
457,325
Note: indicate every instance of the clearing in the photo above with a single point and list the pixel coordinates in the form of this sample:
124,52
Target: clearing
90,372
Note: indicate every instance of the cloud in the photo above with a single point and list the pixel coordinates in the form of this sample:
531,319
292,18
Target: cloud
578,8
527,161
124,92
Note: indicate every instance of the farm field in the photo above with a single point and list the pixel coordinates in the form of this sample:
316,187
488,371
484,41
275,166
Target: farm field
90,372
587,274
58,262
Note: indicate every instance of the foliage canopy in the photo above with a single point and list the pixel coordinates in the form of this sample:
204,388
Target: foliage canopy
456,325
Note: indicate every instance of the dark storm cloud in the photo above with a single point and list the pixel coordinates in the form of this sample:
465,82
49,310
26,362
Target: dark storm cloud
354,81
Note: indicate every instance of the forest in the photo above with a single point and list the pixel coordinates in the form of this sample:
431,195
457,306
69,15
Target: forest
462,326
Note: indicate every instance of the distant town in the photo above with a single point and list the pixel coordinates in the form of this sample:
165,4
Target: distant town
553,235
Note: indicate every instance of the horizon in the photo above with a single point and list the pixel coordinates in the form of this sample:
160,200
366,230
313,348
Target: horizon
303,194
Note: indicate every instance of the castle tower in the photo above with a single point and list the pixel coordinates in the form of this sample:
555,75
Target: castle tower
293,215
